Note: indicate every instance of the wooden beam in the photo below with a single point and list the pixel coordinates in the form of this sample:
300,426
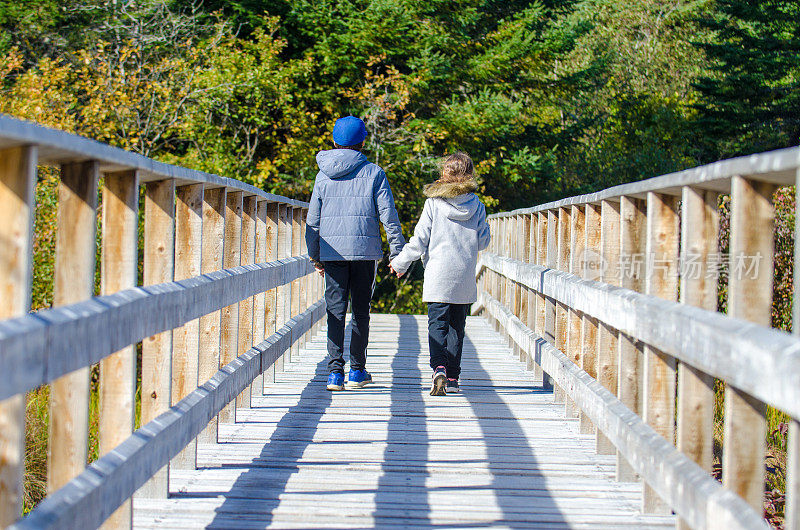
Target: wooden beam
259,300
118,271
186,339
271,303
589,325
541,259
17,181
229,322
213,251
607,336
297,238
661,280
533,297
749,298
577,243
248,255
561,311
87,500
159,263
73,282
689,490
284,291
698,288
633,240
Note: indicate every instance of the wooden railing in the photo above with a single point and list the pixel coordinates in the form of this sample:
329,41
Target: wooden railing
613,298
228,293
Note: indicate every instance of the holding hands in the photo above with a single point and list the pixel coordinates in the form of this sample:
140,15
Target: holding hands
398,274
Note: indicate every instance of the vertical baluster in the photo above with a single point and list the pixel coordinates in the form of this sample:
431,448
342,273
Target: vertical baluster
260,299
186,339
516,298
749,298
248,257
284,251
214,208
606,336
120,231
551,260
498,286
662,281
73,282
589,325
159,263
699,232
541,259
271,307
633,231
229,325
297,237
524,235
792,515
561,322
576,244
305,293
532,296
17,180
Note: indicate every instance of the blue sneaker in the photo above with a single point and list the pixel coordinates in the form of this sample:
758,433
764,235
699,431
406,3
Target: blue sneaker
358,379
336,381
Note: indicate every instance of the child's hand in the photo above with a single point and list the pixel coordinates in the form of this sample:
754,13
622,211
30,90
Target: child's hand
320,268
398,274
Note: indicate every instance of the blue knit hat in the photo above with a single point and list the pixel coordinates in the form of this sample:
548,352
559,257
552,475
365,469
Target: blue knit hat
349,131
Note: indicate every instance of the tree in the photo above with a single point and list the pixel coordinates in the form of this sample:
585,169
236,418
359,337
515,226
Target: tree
751,96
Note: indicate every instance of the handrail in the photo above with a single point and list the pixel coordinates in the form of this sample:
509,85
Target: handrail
225,272
87,500
623,283
693,494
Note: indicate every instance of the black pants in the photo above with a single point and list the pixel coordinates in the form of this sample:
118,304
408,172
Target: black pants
354,280
446,335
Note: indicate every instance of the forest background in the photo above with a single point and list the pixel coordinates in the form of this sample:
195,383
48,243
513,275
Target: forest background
550,98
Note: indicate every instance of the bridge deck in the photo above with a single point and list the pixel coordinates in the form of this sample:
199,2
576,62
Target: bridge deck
500,453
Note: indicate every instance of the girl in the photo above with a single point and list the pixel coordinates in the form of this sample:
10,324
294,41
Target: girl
449,234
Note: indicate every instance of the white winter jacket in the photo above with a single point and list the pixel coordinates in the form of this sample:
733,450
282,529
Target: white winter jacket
449,234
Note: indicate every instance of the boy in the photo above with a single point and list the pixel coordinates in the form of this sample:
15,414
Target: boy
350,196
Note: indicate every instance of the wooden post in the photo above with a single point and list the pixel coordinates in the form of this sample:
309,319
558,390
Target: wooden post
550,261
516,299
661,280
271,304
259,300
749,298
297,237
17,181
607,337
532,296
589,325
248,257
73,282
305,294
119,264
541,310
792,513
633,232
229,341
284,291
577,242
524,256
186,339
214,201
562,241
159,260
699,233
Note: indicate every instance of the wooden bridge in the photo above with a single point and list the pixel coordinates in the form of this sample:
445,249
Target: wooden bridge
589,369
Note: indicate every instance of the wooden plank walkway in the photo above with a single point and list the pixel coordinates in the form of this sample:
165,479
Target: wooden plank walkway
499,454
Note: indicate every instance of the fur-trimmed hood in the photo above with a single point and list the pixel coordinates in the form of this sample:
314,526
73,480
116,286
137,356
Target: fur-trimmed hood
449,190
457,198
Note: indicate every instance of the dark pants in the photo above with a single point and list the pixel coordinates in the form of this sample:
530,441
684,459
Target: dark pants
353,280
446,335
